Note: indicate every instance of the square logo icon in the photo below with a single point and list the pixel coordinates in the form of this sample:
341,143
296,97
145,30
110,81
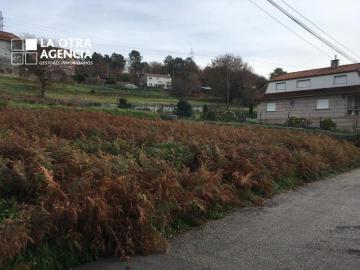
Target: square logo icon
17,45
30,44
31,58
17,58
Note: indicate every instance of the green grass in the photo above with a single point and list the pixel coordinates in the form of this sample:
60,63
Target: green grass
8,209
17,88
114,111
52,254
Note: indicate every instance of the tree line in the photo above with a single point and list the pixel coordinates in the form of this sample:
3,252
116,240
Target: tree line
230,78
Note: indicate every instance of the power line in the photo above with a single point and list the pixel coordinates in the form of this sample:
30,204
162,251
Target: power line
320,29
289,29
311,31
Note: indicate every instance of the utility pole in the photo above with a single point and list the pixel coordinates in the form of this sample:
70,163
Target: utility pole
192,54
227,86
1,21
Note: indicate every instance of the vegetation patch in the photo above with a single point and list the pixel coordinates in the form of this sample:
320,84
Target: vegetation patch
79,185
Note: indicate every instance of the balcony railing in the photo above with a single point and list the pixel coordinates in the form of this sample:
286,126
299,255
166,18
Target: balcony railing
354,110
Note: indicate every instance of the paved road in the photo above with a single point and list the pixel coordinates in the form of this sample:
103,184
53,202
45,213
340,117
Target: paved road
315,227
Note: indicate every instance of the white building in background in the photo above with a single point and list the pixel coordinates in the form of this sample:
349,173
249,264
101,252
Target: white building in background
156,81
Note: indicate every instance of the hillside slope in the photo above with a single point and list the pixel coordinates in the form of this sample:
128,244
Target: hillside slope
78,185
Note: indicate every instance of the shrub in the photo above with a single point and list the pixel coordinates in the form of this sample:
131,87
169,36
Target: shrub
252,114
123,103
208,115
327,124
78,185
231,116
110,81
80,77
184,108
300,122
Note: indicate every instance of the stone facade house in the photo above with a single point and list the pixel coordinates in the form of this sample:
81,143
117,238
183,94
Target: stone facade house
332,92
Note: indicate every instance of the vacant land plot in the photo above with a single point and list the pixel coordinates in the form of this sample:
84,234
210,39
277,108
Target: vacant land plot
19,88
79,185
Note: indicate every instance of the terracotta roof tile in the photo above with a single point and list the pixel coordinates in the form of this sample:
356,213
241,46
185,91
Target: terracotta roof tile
157,75
7,36
318,72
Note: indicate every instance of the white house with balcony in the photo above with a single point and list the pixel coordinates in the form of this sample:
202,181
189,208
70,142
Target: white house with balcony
156,81
332,92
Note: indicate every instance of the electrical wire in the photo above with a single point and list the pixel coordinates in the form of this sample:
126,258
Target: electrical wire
320,29
289,29
312,32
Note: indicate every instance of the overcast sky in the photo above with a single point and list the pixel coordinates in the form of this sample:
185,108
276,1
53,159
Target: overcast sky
158,28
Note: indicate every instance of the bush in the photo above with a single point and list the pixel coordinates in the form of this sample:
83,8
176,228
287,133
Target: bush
101,184
231,116
300,122
123,103
207,115
252,114
80,77
327,124
110,81
183,109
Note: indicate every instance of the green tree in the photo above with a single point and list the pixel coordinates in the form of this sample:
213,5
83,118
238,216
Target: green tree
277,72
45,74
232,79
185,73
135,61
183,108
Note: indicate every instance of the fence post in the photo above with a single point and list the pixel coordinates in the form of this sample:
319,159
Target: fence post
356,126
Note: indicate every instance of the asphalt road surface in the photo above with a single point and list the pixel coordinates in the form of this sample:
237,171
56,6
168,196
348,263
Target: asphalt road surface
315,227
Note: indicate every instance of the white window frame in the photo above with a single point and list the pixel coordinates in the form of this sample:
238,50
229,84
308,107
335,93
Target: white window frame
341,76
323,104
277,86
298,82
271,107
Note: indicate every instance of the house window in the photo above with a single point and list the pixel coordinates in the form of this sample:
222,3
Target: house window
281,86
292,103
271,107
303,84
339,80
322,104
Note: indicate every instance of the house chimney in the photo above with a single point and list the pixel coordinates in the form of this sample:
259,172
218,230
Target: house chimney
335,62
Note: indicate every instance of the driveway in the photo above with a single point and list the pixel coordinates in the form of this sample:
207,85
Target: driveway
315,227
